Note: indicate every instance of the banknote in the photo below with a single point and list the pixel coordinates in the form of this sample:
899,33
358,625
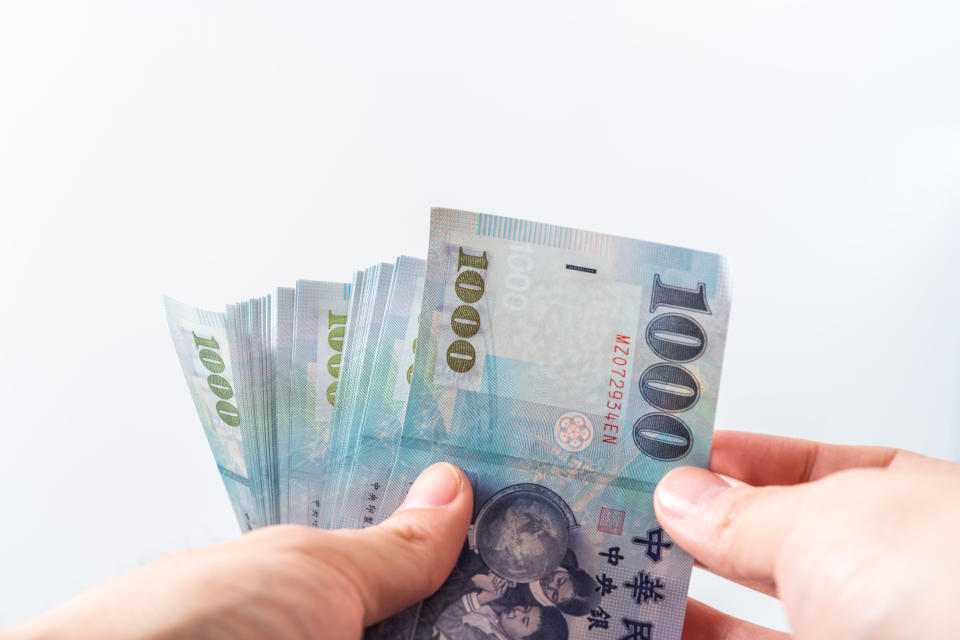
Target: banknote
342,404
359,396
245,332
200,340
381,421
319,318
566,371
282,352
266,400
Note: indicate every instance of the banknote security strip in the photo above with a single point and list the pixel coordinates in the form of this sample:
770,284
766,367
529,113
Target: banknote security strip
565,371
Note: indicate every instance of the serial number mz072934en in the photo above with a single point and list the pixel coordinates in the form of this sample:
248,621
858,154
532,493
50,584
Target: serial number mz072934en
615,385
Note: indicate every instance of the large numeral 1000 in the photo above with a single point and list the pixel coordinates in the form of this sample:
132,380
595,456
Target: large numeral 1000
337,324
667,386
219,385
465,319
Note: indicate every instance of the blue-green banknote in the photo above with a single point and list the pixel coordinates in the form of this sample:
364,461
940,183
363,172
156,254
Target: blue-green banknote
319,319
247,329
371,330
566,372
342,401
282,353
384,407
200,340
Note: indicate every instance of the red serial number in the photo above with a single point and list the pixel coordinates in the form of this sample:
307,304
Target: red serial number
615,385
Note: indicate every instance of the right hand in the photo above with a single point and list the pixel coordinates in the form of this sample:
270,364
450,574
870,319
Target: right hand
857,542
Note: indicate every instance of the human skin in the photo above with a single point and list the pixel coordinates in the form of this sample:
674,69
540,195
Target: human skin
281,582
857,542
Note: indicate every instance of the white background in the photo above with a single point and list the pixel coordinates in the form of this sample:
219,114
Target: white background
213,150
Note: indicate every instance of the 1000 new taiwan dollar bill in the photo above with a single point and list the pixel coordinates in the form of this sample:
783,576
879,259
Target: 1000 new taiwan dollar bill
200,340
566,372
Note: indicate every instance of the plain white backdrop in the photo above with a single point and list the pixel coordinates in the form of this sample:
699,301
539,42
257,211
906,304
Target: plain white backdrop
215,150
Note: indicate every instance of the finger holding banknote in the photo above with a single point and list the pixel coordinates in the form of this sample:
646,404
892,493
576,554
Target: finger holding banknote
283,582
857,542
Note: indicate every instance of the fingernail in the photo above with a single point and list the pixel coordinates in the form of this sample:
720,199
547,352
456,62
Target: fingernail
437,486
686,490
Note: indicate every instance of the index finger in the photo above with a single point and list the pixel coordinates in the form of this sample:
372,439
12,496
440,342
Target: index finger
760,459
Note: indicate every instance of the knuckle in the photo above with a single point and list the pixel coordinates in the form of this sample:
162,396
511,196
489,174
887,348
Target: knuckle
418,545
729,530
727,511
409,531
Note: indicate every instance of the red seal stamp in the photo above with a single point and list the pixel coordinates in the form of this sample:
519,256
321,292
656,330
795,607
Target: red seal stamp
611,521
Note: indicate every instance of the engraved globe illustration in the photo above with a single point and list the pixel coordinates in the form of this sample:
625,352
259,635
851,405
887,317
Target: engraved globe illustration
522,532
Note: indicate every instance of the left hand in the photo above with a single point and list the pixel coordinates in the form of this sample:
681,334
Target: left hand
282,582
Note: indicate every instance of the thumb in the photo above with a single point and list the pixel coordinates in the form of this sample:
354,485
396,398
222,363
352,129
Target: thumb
735,530
408,556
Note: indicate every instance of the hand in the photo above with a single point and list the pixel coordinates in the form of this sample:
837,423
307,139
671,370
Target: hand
285,582
857,542
492,586
500,585
484,581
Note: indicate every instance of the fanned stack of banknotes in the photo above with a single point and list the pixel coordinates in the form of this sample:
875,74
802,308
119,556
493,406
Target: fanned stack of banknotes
564,371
